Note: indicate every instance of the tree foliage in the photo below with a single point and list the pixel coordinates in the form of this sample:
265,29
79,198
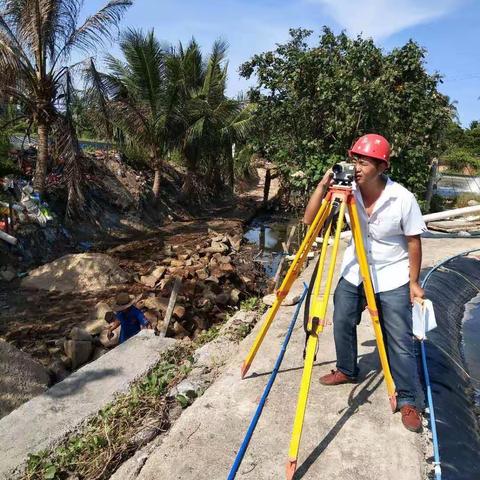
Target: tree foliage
211,122
463,148
314,101
133,96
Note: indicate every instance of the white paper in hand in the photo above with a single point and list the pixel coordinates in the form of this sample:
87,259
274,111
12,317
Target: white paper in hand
423,318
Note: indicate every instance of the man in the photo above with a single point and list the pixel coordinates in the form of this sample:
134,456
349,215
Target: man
391,224
130,319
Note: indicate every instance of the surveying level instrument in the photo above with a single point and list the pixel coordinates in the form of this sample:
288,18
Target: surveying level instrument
338,199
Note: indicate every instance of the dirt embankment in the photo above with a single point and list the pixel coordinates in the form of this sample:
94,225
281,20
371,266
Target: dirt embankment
216,268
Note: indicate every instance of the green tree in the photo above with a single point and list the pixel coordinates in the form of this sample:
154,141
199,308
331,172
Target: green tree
171,102
209,122
134,96
462,148
313,102
37,38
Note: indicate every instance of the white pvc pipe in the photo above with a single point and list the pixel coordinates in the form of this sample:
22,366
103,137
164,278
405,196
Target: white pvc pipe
8,238
456,212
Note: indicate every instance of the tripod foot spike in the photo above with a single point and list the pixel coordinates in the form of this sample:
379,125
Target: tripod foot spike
291,469
244,369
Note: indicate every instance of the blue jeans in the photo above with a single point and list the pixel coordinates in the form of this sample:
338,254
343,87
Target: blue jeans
395,312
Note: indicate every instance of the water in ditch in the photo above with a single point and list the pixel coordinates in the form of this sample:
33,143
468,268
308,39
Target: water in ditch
269,232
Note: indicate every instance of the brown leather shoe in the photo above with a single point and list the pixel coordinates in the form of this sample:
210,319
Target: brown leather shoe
336,377
411,418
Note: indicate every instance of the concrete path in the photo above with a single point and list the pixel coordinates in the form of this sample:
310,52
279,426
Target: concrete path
43,421
349,434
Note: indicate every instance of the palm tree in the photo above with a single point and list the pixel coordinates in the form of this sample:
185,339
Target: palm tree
164,99
212,123
37,38
133,96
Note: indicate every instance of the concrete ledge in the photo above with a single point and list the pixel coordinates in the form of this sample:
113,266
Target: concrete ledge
44,421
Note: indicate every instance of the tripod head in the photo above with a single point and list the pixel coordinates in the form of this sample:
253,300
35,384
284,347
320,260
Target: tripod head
343,174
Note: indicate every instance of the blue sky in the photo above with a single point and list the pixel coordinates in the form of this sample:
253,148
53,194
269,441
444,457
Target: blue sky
448,29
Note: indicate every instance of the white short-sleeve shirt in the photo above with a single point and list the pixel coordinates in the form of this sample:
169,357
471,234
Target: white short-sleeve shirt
396,214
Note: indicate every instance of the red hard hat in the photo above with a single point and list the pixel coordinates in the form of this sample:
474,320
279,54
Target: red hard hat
372,145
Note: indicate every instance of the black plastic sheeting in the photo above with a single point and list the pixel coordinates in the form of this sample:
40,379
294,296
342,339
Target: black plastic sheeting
453,357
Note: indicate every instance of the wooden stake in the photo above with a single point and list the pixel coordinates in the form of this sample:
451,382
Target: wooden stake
286,246
171,306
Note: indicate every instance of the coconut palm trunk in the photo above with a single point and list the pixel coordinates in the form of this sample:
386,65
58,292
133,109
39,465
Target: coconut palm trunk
42,158
157,179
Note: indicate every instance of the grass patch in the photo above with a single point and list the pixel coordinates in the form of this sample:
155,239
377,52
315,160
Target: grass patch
243,330
206,337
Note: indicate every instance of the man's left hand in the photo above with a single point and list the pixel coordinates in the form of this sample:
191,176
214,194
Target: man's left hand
416,291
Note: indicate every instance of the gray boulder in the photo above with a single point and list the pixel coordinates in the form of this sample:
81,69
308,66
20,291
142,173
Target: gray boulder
21,378
78,351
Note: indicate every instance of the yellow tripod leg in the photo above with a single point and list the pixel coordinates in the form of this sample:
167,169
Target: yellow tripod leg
302,405
319,308
290,277
310,354
372,305
331,271
315,304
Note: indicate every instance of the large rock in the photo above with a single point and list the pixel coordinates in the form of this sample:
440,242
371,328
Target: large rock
110,342
94,327
289,299
152,279
21,378
78,272
78,351
58,370
77,333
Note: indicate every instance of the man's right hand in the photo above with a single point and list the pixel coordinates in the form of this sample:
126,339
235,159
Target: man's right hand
317,197
327,180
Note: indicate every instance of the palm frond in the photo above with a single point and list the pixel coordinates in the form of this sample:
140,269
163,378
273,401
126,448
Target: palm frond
68,147
97,94
96,28
146,65
13,54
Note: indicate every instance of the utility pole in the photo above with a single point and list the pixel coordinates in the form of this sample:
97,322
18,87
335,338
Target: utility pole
431,183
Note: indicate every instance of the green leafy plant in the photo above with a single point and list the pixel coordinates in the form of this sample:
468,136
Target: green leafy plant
253,303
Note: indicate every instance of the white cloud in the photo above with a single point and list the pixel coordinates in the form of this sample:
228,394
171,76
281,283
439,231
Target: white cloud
382,18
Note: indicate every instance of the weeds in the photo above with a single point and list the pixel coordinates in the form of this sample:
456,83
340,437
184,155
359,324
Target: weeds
109,438
243,330
206,337
463,199
253,303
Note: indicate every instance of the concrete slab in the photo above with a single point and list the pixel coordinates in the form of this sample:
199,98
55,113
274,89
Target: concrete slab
44,421
349,433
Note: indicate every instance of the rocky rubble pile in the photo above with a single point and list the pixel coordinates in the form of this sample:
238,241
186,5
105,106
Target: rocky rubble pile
214,279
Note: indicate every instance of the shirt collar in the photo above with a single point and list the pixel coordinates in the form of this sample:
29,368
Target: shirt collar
390,191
